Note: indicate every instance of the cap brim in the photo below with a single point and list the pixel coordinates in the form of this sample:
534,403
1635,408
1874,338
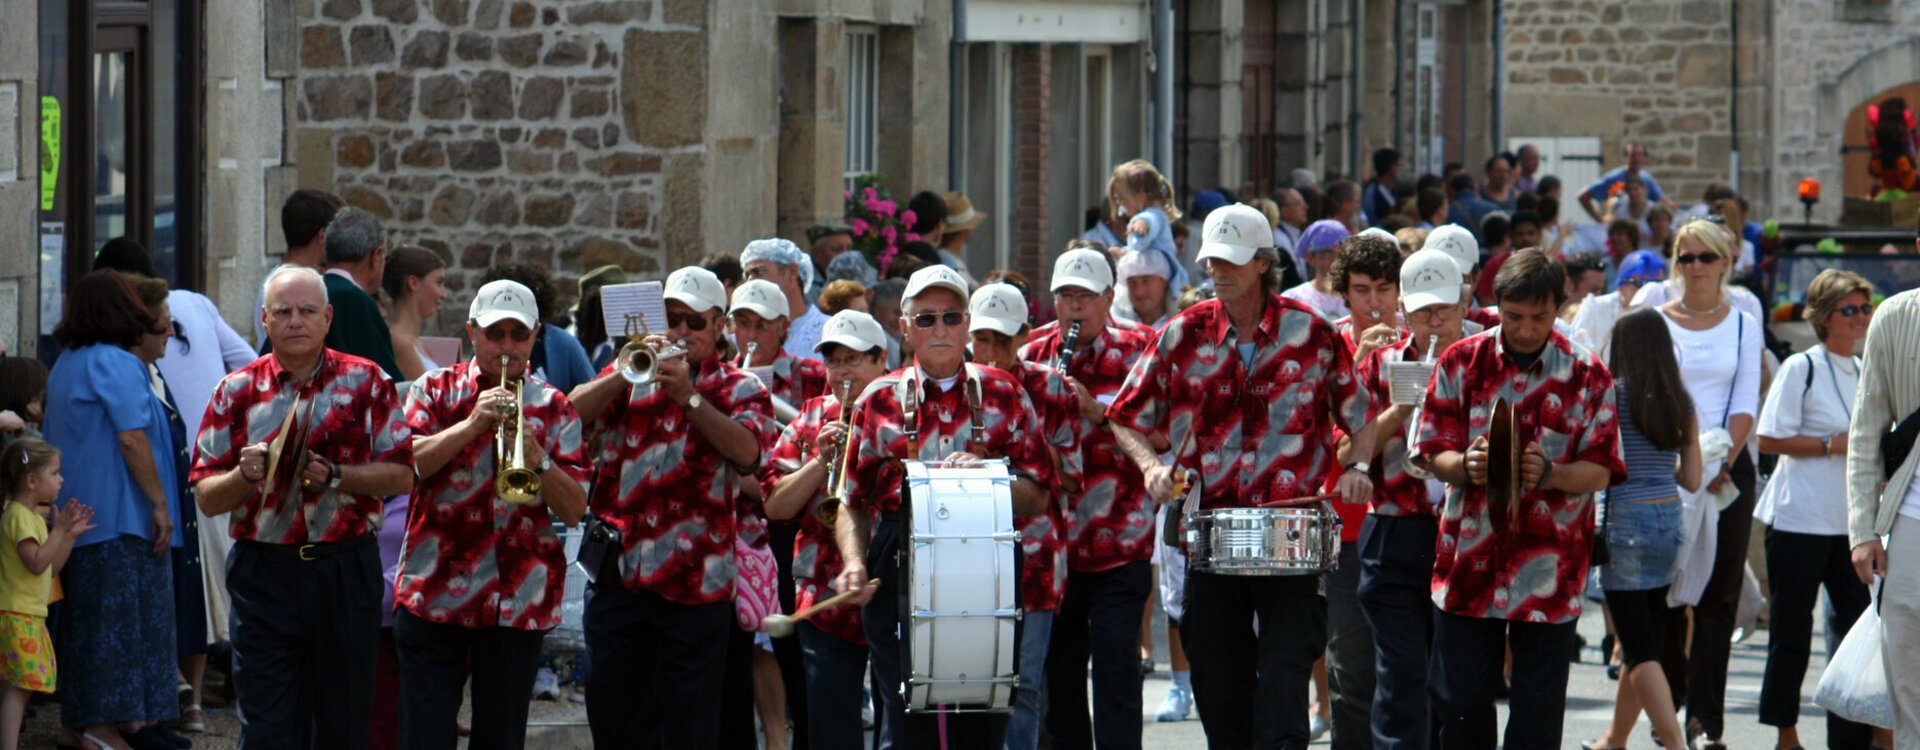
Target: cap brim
489,318
998,325
850,342
692,301
1417,301
763,311
913,292
1238,255
1091,285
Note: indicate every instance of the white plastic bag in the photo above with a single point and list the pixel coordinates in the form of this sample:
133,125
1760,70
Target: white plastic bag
1855,684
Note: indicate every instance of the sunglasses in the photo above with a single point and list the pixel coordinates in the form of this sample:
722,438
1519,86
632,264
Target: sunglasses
1852,310
693,321
1692,258
763,324
520,335
951,318
848,362
163,329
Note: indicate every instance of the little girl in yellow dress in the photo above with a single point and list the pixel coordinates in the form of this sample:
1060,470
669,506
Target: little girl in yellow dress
33,554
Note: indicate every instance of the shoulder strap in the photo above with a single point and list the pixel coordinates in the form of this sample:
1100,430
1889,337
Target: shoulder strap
1740,342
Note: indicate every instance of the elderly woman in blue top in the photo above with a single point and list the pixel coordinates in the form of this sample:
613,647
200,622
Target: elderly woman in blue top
116,630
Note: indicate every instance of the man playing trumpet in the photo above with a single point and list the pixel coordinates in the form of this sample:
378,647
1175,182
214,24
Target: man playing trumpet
803,480
759,317
482,572
680,440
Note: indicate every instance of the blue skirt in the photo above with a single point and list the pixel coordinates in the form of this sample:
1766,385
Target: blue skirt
1643,544
115,638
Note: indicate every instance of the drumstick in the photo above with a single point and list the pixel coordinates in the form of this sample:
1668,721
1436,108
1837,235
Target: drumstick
1299,501
781,626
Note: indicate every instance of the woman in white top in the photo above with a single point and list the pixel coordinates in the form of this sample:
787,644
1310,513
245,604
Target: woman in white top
1719,350
414,284
1805,421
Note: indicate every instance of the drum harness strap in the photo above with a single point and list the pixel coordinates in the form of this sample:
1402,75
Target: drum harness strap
907,392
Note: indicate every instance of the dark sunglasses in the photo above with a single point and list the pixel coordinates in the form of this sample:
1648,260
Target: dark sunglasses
693,321
520,335
1692,258
952,318
1852,310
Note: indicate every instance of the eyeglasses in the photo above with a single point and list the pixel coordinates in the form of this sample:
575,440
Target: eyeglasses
951,318
520,335
848,362
1074,294
165,328
1692,258
693,321
1852,310
760,325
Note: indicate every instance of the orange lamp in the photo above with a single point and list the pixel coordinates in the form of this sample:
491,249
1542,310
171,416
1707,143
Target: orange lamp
1809,189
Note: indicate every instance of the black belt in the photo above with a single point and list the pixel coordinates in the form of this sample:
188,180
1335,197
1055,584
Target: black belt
314,551
889,516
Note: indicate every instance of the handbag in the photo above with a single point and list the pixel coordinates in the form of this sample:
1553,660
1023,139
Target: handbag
1898,443
1855,685
755,586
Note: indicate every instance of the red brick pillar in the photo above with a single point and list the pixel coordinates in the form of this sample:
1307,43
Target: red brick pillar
1032,75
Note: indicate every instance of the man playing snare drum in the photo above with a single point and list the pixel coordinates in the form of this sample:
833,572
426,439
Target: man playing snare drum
962,412
1270,378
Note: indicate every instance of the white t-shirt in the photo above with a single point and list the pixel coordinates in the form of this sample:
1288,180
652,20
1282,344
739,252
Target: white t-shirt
1331,306
1658,294
1803,497
204,352
1593,323
805,333
1721,379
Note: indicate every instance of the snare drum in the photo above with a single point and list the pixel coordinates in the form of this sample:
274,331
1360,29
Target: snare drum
1298,540
965,594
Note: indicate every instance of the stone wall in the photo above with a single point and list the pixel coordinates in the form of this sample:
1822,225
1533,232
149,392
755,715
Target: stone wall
19,176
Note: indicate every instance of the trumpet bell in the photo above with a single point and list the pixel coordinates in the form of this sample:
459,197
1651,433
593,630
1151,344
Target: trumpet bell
518,486
637,362
827,512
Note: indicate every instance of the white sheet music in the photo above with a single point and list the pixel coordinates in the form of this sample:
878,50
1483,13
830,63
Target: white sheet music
1407,382
645,298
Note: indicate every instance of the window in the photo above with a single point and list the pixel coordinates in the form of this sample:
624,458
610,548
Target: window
1429,145
862,102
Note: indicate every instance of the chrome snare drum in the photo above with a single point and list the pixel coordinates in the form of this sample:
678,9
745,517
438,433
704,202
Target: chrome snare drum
964,587
1301,538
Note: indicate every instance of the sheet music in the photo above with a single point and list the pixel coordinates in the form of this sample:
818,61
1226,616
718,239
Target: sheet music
646,298
1407,382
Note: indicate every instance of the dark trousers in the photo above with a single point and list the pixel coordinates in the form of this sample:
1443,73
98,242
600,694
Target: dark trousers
1468,654
434,666
836,671
386,696
883,619
1395,593
787,651
1251,688
1800,564
736,692
655,667
305,637
1713,617
1099,617
1350,655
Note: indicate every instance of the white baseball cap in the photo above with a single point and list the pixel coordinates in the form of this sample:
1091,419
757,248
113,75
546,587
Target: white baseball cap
931,277
1457,243
852,329
1084,268
761,296
999,307
1429,277
697,288
1378,232
503,300
1234,233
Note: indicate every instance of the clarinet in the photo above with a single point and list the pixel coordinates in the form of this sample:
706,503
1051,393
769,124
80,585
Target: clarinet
1065,356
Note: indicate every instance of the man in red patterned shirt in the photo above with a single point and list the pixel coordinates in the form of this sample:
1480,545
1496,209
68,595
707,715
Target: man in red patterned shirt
759,317
949,397
796,478
301,446
1513,577
1270,379
480,578
1109,521
666,482
998,327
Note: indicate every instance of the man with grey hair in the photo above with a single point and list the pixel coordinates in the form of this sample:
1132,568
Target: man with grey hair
1293,220
356,258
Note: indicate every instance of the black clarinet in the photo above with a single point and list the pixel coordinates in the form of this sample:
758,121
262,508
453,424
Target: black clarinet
1065,356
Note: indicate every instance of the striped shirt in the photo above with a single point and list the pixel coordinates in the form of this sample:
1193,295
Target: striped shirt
1649,469
1889,391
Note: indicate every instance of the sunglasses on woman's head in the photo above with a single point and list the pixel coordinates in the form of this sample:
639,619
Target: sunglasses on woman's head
952,318
1849,311
693,321
1692,258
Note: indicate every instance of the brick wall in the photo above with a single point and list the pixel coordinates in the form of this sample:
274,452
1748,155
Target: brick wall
1032,81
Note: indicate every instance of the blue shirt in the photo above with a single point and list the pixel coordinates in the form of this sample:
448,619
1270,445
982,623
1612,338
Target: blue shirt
566,363
94,393
1159,237
1599,189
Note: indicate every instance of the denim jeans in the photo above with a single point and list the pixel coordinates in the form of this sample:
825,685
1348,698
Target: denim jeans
1023,728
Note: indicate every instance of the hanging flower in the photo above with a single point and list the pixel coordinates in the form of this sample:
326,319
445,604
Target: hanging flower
878,222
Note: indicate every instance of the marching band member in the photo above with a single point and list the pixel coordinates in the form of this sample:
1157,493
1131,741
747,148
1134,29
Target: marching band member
998,314
1395,561
676,451
1514,577
1270,377
327,430
805,459
1110,530
961,412
480,578
1366,273
759,317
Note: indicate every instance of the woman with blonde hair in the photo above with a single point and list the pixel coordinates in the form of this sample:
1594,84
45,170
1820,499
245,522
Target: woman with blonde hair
1715,236
1145,197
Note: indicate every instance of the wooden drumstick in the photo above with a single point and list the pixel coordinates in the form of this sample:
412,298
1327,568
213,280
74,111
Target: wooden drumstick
781,626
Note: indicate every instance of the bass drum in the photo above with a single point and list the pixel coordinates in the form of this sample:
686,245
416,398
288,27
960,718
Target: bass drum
964,598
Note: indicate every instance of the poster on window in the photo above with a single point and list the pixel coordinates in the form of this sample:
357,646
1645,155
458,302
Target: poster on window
53,247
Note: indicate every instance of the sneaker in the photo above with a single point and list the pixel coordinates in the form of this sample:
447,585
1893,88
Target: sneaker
1318,727
1178,704
546,685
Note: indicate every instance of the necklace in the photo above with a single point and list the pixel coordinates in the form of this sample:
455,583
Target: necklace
1708,311
1847,368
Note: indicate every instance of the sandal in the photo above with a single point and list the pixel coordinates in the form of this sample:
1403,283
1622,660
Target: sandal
1591,745
193,719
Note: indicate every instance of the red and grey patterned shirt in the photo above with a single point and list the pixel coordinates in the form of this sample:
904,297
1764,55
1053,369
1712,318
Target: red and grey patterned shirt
1110,521
944,422
470,558
816,556
350,415
1267,429
1395,493
1535,569
796,380
669,492
1043,538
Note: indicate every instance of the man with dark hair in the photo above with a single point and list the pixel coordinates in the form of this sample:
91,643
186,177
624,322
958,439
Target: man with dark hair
356,259
1595,194
1467,206
1510,567
1366,273
1528,165
1433,206
1586,276
303,221
1524,230
824,243
1498,188
1378,202
1343,204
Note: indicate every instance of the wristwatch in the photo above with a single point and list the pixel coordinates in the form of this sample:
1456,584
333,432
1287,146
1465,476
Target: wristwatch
1359,466
333,475
546,462
693,403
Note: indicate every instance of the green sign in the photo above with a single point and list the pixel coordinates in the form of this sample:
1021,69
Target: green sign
49,151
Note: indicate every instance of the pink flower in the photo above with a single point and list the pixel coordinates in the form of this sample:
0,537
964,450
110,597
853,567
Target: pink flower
859,227
873,206
889,207
889,234
846,195
908,217
886,258
913,236
871,194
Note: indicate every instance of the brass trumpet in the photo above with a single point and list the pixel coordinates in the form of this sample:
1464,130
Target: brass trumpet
638,361
513,481
827,511
783,411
